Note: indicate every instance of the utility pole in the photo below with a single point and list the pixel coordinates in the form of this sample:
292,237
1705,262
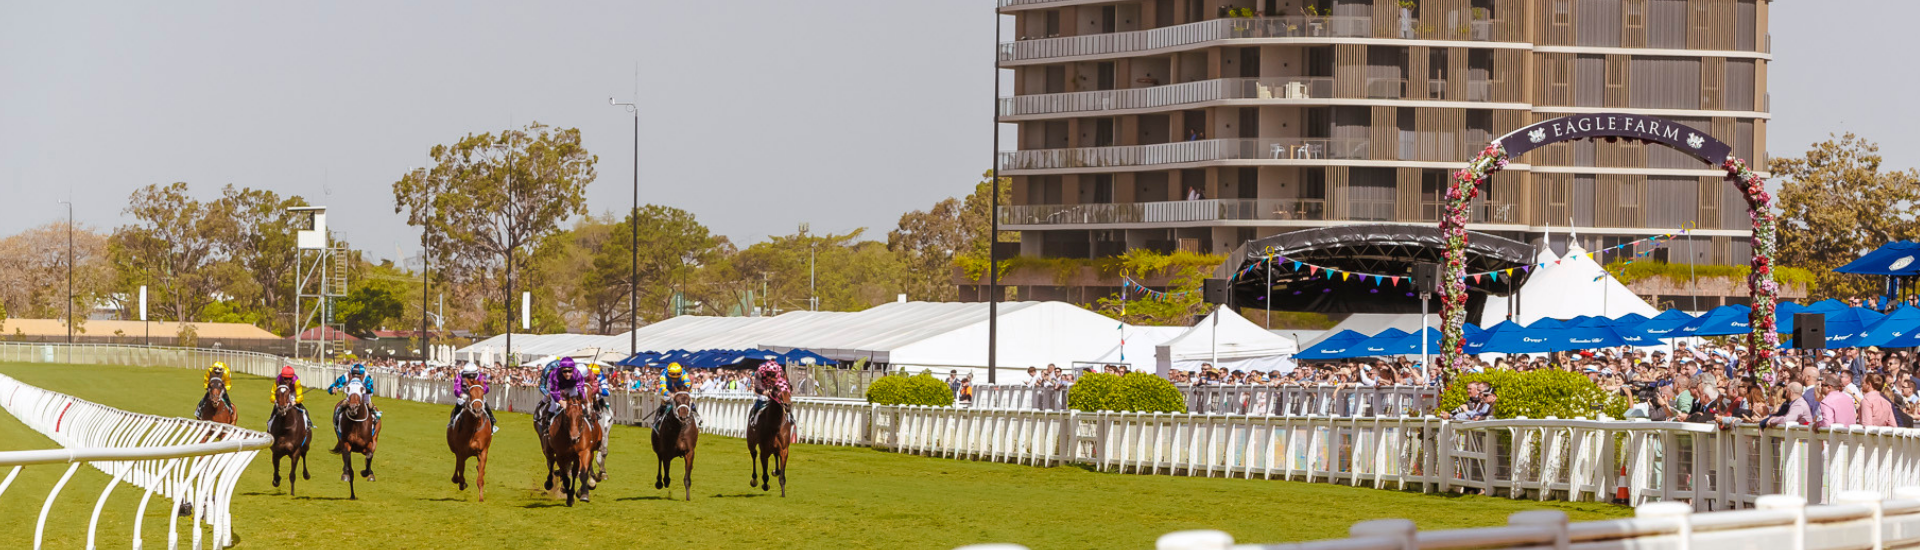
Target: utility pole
426,255
69,279
993,222
633,225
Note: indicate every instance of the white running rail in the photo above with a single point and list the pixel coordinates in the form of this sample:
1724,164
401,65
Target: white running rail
186,461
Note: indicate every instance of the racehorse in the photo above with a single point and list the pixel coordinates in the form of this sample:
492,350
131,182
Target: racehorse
469,436
767,437
291,437
360,434
603,415
569,447
215,407
677,436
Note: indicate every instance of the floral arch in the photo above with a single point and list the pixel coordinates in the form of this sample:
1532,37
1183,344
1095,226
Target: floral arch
1465,186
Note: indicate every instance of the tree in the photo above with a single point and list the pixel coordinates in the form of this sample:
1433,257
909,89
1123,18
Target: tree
168,236
33,271
254,232
364,309
489,198
930,242
673,246
1837,204
846,274
1179,305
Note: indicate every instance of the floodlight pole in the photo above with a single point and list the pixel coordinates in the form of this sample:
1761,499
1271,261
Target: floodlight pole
69,279
426,255
633,225
993,223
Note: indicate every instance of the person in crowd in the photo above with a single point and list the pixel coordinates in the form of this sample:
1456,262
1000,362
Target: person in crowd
1838,408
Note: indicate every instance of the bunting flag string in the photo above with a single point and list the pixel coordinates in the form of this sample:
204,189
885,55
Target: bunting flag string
1394,280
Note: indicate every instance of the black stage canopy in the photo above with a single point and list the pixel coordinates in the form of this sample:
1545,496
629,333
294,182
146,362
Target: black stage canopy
1376,249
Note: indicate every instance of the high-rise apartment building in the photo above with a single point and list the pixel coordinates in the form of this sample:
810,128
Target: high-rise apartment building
1203,124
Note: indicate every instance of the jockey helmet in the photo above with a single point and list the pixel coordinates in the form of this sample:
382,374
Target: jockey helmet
470,369
217,365
286,371
566,362
359,368
593,367
673,368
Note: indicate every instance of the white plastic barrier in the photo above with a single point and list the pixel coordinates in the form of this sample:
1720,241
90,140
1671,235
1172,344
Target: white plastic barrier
186,461
1322,400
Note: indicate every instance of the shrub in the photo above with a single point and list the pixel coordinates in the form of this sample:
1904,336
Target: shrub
919,389
1089,393
1538,394
1142,392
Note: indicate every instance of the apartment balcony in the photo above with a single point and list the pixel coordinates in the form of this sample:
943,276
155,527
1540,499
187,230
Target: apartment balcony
1478,212
1027,49
1165,212
1188,151
1169,96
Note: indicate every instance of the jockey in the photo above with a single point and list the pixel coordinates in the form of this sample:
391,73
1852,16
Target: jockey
672,380
769,383
597,385
563,379
292,380
355,381
470,375
217,370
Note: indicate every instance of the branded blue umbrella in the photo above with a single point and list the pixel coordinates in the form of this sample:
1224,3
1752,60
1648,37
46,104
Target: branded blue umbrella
1510,337
1544,324
1900,323
804,357
1600,332
1629,320
1410,344
1719,321
1666,322
1845,328
1829,305
1332,347
1377,345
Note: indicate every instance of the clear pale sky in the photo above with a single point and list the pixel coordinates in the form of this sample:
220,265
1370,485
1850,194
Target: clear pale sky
757,115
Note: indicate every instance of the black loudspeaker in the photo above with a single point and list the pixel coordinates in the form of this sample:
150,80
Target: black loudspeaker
1426,277
1214,291
1810,331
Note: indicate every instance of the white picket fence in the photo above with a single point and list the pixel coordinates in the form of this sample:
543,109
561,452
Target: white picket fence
185,461
1323,400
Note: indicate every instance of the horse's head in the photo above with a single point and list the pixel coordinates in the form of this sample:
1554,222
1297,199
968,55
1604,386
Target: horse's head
682,406
355,402
283,398
476,397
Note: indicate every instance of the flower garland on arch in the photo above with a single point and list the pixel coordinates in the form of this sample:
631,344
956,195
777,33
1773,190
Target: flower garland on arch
1464,187
1761,287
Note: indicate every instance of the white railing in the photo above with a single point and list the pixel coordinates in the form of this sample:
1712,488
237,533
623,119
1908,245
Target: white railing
185,461
1321,400
1138,212
1187,34
1858,520
1169,96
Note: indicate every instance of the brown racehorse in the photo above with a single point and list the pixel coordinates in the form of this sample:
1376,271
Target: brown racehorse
677,437
215,408
469,436
360,431
571,437
291,437
767,437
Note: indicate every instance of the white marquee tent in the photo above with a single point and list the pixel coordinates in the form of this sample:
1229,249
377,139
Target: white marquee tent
1566,288
1138,352
1241,345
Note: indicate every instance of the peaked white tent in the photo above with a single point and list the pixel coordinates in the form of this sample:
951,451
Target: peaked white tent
1138,352
1566,288
1237,343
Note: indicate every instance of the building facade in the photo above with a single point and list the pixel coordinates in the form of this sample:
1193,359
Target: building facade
1202,124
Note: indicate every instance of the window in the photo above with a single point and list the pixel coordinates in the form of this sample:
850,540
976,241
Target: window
1370,193
1598,24
1665,83
1667,24
1589,78
1672,200
1404,118
1745,26
1739,85
1479,127
1479,73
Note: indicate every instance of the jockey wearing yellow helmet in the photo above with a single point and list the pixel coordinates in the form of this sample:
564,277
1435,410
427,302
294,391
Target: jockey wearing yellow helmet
673,380
217,371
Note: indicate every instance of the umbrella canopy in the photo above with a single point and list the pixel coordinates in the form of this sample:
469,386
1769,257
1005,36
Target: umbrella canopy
804,357
1410,344
1599,332
1332,347
1630,320
1845,328
1894,258
1828,305
1547,324
1719,321
1510,337
1903,321
1377,345
1664,323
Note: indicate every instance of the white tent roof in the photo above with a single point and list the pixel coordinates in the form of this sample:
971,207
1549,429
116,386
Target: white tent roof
1566,288
1139,349
1239,339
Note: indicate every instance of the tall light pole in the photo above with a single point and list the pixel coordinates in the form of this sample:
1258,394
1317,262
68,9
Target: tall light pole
69,278
993,221
426,255
633,224
508,148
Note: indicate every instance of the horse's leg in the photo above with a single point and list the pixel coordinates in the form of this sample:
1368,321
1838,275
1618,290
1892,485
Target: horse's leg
782,472
549,472
480,476
346,474
765,453
276,467
460,470
369,471
303,465
753,453
686,479
295,458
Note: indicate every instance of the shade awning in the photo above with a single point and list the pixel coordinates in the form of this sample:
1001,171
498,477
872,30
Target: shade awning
1894,258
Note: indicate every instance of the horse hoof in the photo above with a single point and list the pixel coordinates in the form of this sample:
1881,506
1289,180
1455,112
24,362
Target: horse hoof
657,485
549,485
463,485
304,475
276,481
765,488
346,477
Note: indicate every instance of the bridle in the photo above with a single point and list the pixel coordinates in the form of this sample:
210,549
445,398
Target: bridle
682,411
476,394
283,399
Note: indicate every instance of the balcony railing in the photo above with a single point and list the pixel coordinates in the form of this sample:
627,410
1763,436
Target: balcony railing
1188,151
1190,33
1169,95
1478,212
1164,211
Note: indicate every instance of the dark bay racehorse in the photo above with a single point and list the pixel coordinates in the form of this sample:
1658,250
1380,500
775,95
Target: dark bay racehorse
767,437
677,436
469,436
360,434
291,437
603,416
570,440
215,407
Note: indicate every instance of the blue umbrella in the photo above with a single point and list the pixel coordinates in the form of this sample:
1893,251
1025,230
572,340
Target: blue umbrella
1783,315
1829,305
1377,345
1510,337
1845,328
1332,347
1629,320
1898,324
804,357
1600,332
1544,324
1410,344
1666,322
1719,321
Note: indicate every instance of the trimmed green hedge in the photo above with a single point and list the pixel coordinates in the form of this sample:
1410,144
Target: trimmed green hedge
919,389
1538,394
1137,391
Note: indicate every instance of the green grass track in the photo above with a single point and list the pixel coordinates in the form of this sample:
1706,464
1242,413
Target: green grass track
839,497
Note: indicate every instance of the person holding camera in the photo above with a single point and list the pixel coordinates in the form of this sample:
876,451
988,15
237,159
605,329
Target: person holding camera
1479,405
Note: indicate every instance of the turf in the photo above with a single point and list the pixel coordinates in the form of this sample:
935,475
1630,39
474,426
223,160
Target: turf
839,497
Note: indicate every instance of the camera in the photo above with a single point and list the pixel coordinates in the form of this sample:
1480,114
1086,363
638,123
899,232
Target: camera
1645,391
